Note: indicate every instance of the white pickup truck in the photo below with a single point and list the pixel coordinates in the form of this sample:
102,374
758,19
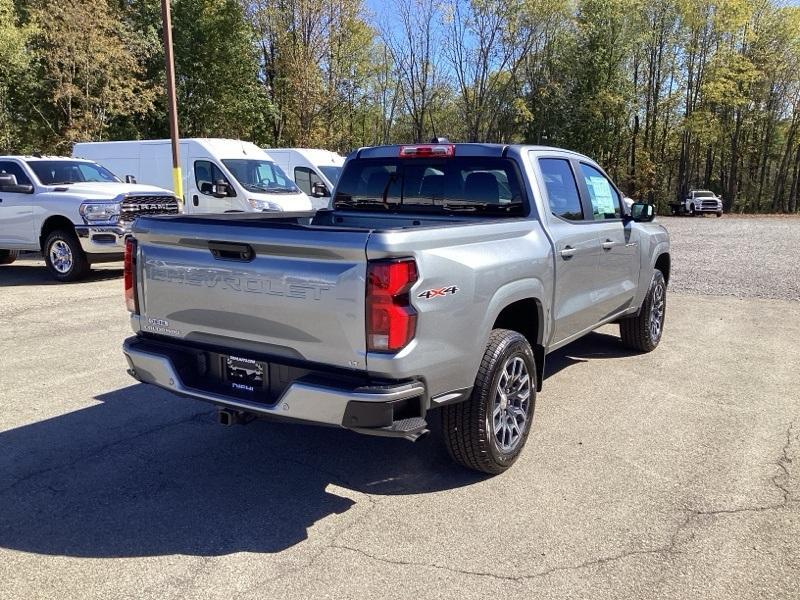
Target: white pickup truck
698,202
75,212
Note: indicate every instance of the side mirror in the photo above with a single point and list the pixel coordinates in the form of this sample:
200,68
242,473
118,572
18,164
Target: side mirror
641,212
7,180
130,179
220,189
319,190
8,183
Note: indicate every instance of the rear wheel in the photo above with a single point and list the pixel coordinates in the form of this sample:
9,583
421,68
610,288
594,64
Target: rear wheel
64,256
8,256
488,431
643,331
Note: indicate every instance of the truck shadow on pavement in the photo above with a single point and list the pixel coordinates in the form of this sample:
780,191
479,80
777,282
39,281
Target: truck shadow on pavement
596,345
31,274
143,473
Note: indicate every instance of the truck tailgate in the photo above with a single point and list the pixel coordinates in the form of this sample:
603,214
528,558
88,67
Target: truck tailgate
270,288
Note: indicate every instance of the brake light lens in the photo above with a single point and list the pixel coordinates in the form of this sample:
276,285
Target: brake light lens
391,320
428,151
131,297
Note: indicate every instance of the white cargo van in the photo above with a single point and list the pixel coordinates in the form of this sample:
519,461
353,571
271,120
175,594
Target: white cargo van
218,175
314,171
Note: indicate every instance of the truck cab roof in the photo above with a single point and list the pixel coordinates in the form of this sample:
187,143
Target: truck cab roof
32,158
462,149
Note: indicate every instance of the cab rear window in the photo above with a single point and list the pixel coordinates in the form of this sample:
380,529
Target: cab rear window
469,185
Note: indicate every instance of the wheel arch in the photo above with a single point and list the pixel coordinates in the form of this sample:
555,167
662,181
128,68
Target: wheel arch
54,223
526,316
663,263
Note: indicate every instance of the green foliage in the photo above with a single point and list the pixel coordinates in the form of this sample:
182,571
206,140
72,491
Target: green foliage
668,95
86,76
14,62
216,70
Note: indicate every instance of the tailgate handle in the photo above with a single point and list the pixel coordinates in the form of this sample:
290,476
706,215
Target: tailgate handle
229,251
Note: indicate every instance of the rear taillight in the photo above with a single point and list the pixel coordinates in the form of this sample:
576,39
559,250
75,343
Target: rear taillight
428,151
131,297
391,320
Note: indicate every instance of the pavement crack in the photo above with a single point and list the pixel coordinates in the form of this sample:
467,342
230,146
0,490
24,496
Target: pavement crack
100,450
783,463
411,563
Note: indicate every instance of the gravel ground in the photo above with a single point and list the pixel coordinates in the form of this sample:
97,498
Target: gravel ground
646,476
746,257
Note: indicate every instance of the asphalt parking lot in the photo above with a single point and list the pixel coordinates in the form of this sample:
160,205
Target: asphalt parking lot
667,475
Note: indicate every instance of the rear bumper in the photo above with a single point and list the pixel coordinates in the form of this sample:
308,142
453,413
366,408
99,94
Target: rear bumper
384,408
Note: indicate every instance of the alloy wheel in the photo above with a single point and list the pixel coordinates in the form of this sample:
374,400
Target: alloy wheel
510,409
61,256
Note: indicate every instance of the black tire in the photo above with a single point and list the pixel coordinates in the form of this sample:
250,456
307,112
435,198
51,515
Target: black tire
692,212
469,436
78,266
637,332
8,256
719,214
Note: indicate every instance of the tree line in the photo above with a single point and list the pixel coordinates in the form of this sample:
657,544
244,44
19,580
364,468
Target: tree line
668,95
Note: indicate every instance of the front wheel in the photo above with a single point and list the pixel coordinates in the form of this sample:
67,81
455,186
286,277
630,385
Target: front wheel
8,256
719,214
643,331
488,431
64,256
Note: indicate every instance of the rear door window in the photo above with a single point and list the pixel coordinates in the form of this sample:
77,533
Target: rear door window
468,185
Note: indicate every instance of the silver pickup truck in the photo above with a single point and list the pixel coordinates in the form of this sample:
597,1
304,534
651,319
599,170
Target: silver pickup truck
439,279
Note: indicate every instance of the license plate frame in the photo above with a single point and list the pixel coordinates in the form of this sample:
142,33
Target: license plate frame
244,375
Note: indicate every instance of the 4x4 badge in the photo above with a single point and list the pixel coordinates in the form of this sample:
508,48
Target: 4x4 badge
438,292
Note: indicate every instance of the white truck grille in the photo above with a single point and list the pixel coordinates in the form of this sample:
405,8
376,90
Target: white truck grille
135,206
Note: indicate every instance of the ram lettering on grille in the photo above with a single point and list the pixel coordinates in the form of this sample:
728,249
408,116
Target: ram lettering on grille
135,206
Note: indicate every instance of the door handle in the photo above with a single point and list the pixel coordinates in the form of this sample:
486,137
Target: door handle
568,252
608,244
195,200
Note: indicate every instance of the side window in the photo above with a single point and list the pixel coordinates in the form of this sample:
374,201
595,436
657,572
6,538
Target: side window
605,199
12,168
305,179
562,191
205,174
302,177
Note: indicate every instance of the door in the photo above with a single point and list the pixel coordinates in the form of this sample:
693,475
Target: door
619,265
16,212
305,179
576,250
204,175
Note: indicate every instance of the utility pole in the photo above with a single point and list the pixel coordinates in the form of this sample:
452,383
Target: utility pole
172,103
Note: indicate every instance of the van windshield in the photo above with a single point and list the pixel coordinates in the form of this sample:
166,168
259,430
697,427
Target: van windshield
331,172
61,172
467,185
260,176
